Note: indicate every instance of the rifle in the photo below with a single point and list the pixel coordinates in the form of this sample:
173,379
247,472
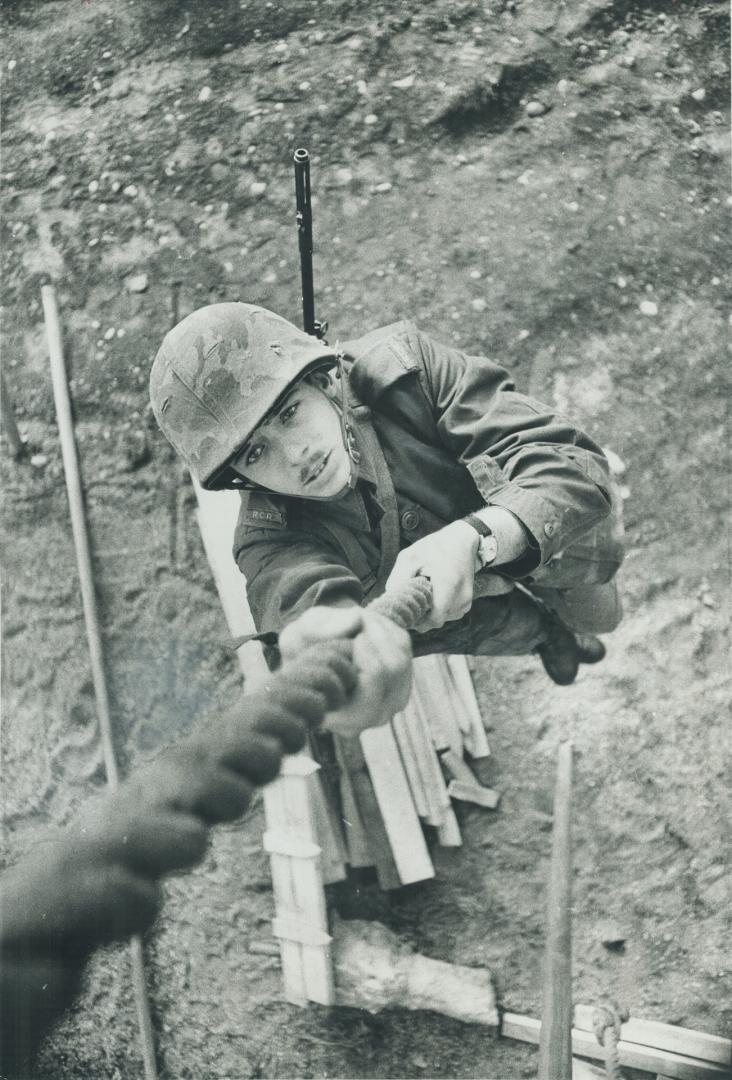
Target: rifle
304,218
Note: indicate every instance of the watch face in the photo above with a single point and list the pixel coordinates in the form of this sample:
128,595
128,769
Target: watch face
487,549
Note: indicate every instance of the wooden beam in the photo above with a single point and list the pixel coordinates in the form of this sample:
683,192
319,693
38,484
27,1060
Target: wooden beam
392,792
679,1040
438,701
555,1045
469,717
351,758
473,793
632,1055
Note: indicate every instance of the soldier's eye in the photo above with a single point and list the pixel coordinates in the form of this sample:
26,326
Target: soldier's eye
254,454
287,414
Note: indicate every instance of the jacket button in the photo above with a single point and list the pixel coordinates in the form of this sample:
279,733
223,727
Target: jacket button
410,520
549,528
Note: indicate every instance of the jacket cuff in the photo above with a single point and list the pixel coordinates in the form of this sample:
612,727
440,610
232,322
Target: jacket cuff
539,517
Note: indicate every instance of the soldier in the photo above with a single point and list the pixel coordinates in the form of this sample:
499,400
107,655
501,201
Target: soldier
365,464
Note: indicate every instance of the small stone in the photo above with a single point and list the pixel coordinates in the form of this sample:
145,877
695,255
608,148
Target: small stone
405,83
370,119
258,187
476,275
205,93
381,189
535,108
93,186
612,937
137,283
130,191
419,1061
621,282
648,307
109,334
39,461
616,463
11,64
479,304
116,186
343,177
699,95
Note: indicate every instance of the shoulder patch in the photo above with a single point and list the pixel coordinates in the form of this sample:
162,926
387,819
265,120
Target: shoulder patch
263,511
269,518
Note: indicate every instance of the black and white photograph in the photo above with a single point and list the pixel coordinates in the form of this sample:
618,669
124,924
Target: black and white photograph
365,469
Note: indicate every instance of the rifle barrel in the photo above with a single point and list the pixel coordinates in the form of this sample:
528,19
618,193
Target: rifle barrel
305,237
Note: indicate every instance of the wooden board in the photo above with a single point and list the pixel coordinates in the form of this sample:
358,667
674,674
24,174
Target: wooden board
391,788
679,1040
632,1055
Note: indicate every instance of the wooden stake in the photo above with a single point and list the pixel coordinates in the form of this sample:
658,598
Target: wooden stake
91,621
555,1044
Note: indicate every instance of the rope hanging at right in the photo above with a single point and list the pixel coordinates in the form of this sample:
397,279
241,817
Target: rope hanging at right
606,1021
406,606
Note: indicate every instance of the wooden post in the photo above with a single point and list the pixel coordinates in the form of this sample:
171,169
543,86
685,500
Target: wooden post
91,620
555,1043
301,920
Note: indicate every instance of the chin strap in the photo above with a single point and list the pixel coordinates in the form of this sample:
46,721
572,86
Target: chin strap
344,412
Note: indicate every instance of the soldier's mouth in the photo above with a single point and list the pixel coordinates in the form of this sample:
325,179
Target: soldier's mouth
314,471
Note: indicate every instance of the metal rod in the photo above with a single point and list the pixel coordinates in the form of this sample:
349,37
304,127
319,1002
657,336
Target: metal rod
91,620
304,218
10,426
555,1040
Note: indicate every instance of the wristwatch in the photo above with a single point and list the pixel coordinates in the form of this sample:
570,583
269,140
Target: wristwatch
487,545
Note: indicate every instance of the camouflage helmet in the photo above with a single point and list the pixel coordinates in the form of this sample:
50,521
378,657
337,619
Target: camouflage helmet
217,375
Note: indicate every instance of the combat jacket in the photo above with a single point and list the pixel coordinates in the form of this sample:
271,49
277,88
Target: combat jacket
454,435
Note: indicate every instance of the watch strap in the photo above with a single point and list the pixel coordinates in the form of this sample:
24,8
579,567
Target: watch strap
478,525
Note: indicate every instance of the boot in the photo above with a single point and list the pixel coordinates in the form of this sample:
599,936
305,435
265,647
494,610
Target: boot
562,652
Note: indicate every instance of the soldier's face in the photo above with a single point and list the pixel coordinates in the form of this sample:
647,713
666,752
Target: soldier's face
298,450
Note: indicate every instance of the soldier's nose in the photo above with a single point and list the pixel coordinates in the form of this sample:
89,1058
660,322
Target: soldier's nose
295,455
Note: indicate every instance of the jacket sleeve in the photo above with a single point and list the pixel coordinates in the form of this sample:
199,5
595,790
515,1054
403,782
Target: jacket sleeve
288,571
521,454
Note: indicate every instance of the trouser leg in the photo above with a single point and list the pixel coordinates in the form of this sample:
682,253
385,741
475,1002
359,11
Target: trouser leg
587,609
506,625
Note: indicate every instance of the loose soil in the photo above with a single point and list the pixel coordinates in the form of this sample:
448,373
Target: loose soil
541,182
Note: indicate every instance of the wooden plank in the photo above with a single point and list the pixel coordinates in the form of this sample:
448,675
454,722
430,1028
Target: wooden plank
438,799
679,1040
555,1043
583,1070
410,762
448,834
329,835
217,515
352,758
473,793
359,852
475,739
438,701
293,976
465,785
632,1055
310,911
400,818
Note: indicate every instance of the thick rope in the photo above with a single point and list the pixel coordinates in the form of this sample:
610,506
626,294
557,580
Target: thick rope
606,1021
407,605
